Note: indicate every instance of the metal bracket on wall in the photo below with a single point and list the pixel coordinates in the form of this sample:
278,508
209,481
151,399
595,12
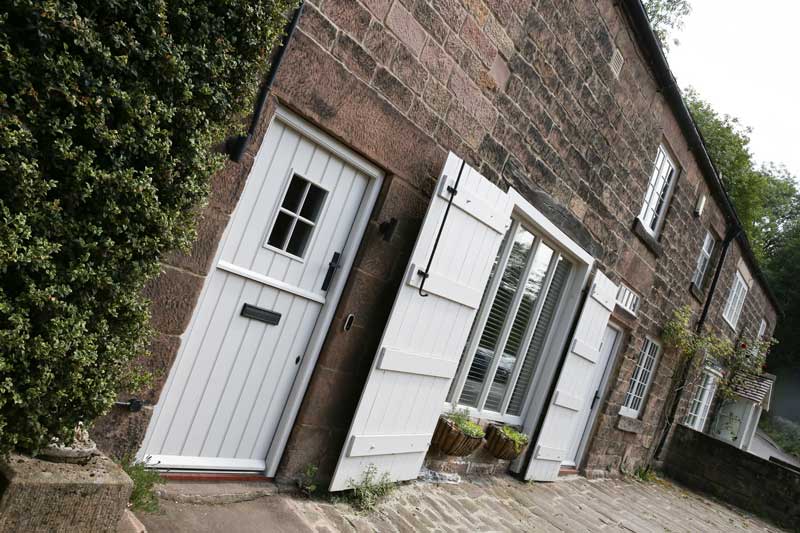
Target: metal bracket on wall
453,190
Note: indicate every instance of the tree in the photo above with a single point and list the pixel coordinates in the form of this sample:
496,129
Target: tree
766,196
666,16
108,114
767,201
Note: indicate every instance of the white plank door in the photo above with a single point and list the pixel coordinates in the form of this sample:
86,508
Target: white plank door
425,335
227,390
572,396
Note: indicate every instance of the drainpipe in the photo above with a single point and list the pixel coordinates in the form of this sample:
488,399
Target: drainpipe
236,145
733,232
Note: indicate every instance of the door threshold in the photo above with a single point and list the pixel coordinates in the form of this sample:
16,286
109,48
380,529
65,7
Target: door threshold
215,476
567,471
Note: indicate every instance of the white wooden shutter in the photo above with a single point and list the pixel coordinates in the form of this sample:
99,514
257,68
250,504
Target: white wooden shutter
574,387
425,336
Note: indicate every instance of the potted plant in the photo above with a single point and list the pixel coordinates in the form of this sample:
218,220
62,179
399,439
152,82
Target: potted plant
505,442
457,435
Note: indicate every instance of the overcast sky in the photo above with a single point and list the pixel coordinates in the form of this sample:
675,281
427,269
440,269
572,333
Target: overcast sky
743,56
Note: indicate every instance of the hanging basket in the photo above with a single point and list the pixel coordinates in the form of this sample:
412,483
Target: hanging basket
452,441
500,445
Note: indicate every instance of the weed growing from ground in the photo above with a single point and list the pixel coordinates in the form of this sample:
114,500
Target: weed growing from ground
367,493
143,497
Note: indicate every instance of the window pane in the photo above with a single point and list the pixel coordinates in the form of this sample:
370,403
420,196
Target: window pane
294,195
280,230
509,283
642,375
313,203
300,237
534,352
530,295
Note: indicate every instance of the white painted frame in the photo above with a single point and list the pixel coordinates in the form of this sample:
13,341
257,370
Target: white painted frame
534,220
287,182
734,304
661,216
334,293
603,388
624,410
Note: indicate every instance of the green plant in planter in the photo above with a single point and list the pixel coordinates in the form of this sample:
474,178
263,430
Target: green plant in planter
109,116
462,421
519,439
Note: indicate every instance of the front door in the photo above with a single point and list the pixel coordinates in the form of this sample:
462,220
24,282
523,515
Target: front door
227,389
608,349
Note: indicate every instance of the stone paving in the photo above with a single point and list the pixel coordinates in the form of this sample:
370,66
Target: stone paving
498,504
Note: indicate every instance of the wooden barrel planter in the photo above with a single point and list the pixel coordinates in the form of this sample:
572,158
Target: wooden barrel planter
452,441
500,445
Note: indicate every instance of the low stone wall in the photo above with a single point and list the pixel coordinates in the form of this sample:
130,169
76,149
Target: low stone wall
737,477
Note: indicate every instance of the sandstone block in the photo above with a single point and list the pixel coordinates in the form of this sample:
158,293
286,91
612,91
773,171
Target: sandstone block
40,496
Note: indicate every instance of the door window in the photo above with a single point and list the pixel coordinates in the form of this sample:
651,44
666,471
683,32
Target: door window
302,203
512,326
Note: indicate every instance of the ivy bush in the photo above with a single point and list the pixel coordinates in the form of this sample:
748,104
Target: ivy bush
109,110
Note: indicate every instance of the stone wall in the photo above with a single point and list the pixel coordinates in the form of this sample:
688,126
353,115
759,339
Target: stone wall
523,91
735,476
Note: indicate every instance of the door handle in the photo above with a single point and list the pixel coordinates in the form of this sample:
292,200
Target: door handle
333,266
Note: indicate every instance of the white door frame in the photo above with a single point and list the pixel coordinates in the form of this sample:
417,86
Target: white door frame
334,293
603,389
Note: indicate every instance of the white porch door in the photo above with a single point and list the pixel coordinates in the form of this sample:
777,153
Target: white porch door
238,359
570,404
427,329
592,400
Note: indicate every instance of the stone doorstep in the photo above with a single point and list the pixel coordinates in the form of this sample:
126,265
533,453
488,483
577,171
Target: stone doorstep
219,492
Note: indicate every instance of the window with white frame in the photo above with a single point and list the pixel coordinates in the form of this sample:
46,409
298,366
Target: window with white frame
703,260
762,329
658,192
641,378
529,280
701,401
733,307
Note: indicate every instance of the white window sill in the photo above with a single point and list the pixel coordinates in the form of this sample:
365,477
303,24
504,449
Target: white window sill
628,412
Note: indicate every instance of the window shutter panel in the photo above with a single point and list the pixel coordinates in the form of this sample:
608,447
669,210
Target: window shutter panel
424,336
573,392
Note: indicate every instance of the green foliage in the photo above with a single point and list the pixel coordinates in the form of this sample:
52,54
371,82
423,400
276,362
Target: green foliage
520,439
765,197
467,426
108,114
307,483
784,432
143,497
666,16
370,490
698,349
646,474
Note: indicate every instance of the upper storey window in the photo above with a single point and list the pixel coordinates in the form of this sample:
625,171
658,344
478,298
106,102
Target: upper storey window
659,190
733,308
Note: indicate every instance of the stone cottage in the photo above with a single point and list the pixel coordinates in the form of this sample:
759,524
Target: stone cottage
488,205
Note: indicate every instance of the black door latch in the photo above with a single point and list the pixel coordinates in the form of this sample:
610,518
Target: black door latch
333,266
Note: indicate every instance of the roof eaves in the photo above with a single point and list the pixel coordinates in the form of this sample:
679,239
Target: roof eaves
651,47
